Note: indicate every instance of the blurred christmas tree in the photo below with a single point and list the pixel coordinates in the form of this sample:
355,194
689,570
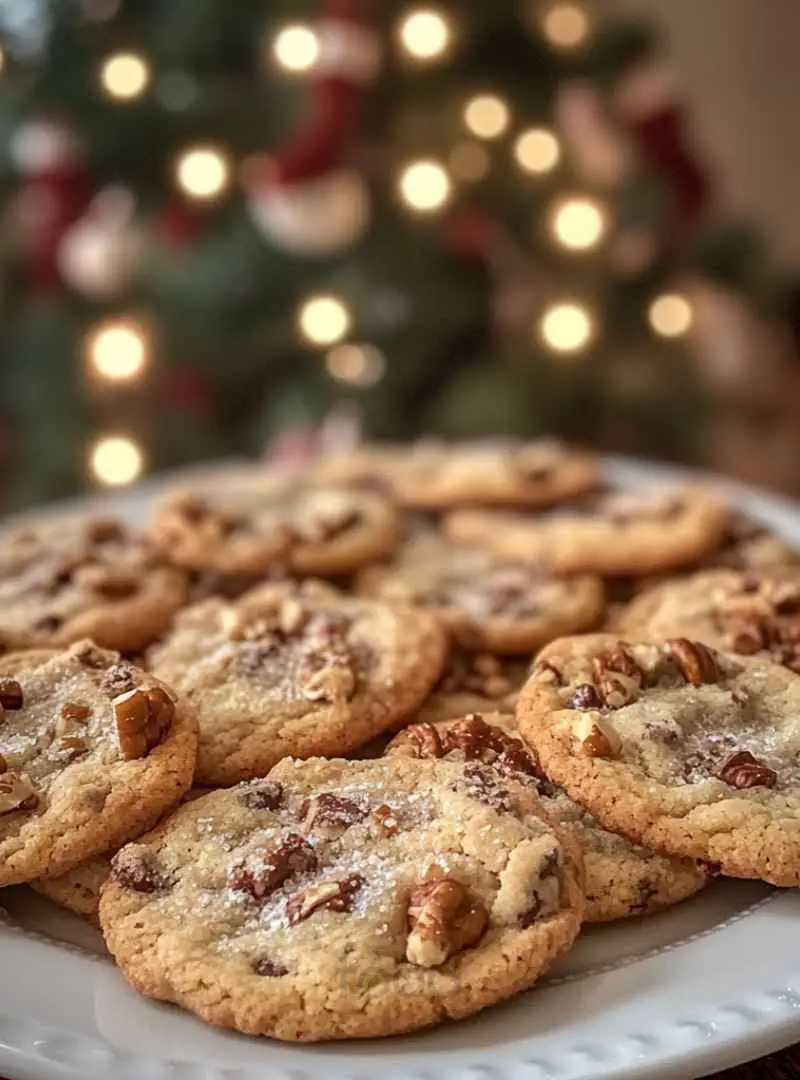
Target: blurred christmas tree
222,225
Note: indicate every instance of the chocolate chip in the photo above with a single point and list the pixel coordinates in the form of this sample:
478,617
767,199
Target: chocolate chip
482,783
140,872
119,679
584,697
529,917
268,795
332,809
11,696
269,968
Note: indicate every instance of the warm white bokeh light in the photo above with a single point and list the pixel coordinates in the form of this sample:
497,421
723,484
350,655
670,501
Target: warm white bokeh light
566,25
578,224
296,48
670,315
324,320
425,186
537,150
361,365
425,34
469,161
202,172
117,351
566,328
116,460
487,116
125,75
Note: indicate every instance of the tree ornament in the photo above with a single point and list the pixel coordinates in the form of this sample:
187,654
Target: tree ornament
97,257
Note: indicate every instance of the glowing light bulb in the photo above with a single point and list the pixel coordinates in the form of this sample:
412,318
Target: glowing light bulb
202,172
324,320
469,161
125,76
361,365
537,150
670,315
117,351
296,48
116,460
487,116
425,34
425,186
566,25
578,224
566,328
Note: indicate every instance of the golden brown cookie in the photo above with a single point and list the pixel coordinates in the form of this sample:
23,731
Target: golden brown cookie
346,899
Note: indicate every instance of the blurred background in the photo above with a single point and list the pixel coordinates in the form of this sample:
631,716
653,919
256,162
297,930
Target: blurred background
276,227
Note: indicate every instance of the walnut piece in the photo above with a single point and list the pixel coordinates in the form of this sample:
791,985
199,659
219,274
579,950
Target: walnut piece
336,681
11,696
17,792
333,810
742,771
695,661
422,741
333,895
597,738
143,719
266,870
443,918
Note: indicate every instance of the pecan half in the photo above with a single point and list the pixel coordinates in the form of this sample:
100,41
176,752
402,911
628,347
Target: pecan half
619,660
742,770
443,918
265,871
695,661
267,795
596,737
143,719
139,870
585,697
330,809
11,696
332,895
17,792
423,741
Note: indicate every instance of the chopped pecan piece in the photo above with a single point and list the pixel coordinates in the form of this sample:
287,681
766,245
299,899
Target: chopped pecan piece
138,869
616,692
596,737
619,660
265,871
423,741
333,895
386,819
473,737
11,696
742,771
330,809
695,661
327,678
482,783
17,792
74,712
267,795
143,719
545,670
443,918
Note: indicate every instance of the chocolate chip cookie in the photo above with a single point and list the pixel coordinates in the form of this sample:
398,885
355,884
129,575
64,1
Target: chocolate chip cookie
433,475
93,751
486,605
246,522
611,533
749,544
84,577
623,880
682,748
754,613
344,899
296,670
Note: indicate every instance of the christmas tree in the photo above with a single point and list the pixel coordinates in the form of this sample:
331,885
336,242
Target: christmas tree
227,230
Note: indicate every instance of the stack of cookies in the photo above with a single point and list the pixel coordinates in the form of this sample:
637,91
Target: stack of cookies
355,752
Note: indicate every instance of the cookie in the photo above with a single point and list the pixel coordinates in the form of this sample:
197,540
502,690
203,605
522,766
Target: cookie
623,880
246,522
93,751
610,533
344,899
433,475
485,604
475,682
78,890
296,670
748,544
754,613
83,577
681,748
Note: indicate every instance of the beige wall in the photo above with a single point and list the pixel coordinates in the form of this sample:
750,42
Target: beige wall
740,63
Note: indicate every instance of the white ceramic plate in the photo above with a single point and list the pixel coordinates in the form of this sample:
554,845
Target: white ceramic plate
705,986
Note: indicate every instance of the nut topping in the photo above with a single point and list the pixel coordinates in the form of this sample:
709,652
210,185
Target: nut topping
17,792
265,871
584,697
11,696
695,661
334,682
619,660
329,809
333,895
267,795
423,741
742,771
386,819
597,738
443,918
137,869
143,719
481,782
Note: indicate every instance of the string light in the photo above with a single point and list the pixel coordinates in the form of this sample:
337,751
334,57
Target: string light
425,186
361,365
566,25
116,460
202,172
324,320
487,116
296,48
537,150
2,59
469,161
670,315
425,34
124,76
578,224
566,328
117,351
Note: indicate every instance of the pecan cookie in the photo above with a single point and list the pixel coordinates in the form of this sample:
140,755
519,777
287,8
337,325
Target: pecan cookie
247,522
679,747
485,604
343,899
433,475
610,533
623,880
754,613
82,577
475,682
748,544
296,670
92,752
78,890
